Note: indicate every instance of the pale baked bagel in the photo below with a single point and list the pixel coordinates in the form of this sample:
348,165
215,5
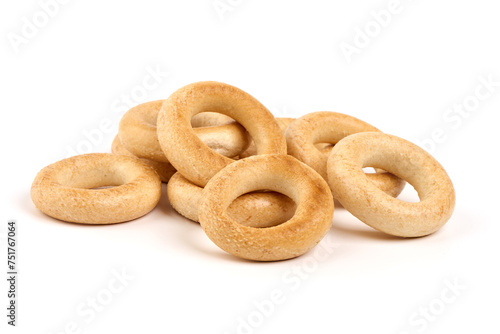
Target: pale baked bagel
256,209
374,207
65,189
137,132
275,172
164,169
186,152
304,135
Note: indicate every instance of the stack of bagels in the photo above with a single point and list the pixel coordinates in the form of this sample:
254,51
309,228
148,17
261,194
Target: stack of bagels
262,188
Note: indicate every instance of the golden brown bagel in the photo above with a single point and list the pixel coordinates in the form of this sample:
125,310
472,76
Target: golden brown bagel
329,127
373,206
65,189
138,134
275,172
186,152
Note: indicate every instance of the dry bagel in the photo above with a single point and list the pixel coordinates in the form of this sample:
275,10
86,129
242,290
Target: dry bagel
65,189
329,127
374,207
275,172
138,133
186,152
257,209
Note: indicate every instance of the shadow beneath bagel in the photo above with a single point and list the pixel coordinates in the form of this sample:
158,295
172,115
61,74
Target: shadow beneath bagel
197,240
346,225
190,233
364,233
164,204
28,206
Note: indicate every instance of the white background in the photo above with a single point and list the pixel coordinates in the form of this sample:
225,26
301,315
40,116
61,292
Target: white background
77,70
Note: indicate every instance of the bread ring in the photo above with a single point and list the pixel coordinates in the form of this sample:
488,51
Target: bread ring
275,172
65,189
257,209
283,122
374,207
330,127
137,133
164,169
187,153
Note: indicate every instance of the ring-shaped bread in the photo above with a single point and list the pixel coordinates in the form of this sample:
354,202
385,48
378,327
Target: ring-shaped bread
66,189
351,186
304,134
274,172
187,153
138,132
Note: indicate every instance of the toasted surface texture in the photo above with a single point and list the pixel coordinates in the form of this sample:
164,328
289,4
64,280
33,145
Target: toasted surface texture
66,189
187,153
376,208
138,132
308,135
274,172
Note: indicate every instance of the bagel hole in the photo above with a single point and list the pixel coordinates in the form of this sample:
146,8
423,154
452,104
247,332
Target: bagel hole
324,145
209,119
103,187
325,148
409,194
369,170
263,209
95,179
